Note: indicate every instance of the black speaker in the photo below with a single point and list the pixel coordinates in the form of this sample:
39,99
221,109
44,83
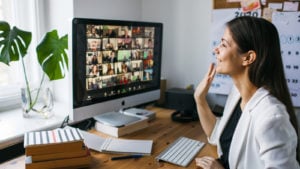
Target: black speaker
183,101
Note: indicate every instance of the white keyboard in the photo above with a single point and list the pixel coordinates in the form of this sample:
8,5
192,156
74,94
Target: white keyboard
181,152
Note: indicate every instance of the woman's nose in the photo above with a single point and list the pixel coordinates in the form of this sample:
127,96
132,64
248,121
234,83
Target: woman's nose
216,50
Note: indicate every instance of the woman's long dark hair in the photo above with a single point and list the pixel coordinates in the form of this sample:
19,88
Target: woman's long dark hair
267,71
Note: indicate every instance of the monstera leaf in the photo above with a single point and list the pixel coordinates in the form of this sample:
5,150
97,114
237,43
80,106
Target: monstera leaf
13,43
52,55
51,52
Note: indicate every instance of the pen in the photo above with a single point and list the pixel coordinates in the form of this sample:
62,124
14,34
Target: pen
126,157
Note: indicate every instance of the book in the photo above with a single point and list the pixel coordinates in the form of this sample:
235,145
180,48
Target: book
123,130
60,155
118,146
76,162
52,141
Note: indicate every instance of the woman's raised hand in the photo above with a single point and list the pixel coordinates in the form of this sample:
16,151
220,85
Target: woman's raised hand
203,87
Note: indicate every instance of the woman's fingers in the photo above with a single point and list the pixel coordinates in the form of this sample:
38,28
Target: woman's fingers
208,163
204,85
211,71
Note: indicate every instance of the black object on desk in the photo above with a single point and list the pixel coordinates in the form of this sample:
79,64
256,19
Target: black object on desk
183,101
126,157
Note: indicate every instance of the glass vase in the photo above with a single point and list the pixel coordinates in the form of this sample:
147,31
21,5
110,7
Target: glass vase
37,102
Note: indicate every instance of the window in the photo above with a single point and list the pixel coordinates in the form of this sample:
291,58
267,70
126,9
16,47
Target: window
10,75
22,14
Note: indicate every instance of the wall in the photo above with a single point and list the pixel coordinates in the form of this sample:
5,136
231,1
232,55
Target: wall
108,9
186,50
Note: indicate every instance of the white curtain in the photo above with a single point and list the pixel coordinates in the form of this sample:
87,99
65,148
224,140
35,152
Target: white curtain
26,15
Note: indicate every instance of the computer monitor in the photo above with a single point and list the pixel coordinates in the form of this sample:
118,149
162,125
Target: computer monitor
116,64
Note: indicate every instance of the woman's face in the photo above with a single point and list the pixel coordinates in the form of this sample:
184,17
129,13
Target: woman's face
229,61
95,68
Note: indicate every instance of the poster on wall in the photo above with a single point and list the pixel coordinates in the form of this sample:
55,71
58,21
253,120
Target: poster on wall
222,83
288,24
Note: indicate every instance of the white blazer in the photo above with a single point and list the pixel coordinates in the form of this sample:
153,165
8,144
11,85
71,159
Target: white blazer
264,137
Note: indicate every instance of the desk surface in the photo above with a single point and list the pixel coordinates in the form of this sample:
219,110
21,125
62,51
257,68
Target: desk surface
162,131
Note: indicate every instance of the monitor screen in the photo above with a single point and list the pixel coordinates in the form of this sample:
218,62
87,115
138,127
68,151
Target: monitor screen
116,64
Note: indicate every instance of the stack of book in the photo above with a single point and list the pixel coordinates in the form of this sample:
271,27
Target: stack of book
59,148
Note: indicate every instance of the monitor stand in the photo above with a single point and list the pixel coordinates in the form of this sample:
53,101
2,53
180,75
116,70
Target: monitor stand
184,116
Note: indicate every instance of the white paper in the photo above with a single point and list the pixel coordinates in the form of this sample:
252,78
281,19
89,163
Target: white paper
275,5
288,24
290,6
92,141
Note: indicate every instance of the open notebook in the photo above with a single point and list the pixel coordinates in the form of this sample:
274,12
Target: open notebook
119,146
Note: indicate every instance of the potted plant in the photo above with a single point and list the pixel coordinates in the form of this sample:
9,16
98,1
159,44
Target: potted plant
51,55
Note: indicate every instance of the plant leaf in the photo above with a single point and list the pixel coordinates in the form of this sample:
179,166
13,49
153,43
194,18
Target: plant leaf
52,55
13,43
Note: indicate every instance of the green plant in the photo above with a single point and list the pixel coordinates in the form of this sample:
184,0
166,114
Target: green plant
51,53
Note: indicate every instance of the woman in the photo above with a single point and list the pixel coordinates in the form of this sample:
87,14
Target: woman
94,71
258,129
110,70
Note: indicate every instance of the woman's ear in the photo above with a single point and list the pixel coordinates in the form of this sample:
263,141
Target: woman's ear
249,57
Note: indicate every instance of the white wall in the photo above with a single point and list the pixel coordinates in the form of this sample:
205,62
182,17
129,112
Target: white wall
108,9
186,38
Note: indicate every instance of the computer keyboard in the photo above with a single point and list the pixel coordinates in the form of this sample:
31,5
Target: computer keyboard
181,152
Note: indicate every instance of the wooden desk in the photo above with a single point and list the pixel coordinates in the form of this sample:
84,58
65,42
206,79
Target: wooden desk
162,131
